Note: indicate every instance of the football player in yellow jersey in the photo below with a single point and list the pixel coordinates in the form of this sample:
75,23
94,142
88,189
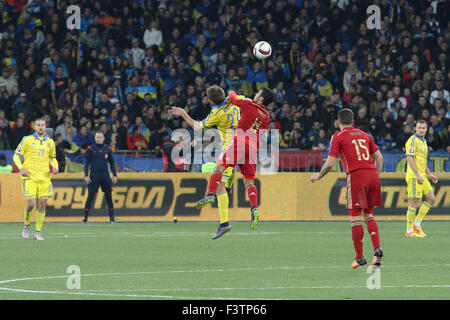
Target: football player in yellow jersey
38,151
417,175
225,116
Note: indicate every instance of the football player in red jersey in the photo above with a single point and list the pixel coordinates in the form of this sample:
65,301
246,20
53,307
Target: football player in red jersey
356,149
242,151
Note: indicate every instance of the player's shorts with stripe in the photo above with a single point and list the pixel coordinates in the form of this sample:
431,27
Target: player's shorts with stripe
243,153
417,190
363,189
36,189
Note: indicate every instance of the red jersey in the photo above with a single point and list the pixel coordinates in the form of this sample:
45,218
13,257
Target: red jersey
355,148
253,115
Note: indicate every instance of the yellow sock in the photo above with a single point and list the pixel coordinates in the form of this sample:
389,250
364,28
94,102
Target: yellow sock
424,208
40,216
410,216
27,216
230,180
222,203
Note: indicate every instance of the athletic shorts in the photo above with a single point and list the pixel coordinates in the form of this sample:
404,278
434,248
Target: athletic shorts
242,153
363,189
36,189
416,190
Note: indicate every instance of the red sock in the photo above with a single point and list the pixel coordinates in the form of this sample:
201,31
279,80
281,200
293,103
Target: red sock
252,195
372,227
214,182
357,235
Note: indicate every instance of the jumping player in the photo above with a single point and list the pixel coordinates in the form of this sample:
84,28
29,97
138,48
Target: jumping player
242,151
225,116
355,148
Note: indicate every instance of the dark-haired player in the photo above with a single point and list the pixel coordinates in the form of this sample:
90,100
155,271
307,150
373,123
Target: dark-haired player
242,151
356,149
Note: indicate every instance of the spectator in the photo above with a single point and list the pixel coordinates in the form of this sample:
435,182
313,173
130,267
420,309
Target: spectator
7,79
67,130
136,141
18,132
24,106
152,35
83,139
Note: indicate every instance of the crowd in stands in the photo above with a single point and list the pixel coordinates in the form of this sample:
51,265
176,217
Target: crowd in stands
131,60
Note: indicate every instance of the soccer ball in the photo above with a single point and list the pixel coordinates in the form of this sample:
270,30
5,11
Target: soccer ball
262,50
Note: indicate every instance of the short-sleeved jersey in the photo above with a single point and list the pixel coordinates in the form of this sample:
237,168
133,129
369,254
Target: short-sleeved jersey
355,148
37,154
254,116
225,117
417,148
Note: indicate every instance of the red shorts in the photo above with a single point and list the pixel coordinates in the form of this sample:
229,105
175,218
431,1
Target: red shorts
243,153
363,189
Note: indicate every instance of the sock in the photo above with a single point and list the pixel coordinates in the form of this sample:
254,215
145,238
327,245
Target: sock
222,203
27,216
40,216
357,236
372,228
410,216
229,183
214,182
252,195
424,208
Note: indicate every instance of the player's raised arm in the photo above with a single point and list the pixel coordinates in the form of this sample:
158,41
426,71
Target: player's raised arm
177,111
238,101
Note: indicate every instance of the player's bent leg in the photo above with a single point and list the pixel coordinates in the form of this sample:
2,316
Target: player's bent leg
214,183
40,217
413,204
372,228
229,182
429,199
28,211
357,236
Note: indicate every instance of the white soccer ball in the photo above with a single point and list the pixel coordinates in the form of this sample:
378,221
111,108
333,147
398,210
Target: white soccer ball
262,50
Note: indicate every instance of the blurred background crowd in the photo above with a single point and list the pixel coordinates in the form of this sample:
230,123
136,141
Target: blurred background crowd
132,60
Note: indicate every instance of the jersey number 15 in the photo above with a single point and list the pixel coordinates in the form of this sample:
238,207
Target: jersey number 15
360,144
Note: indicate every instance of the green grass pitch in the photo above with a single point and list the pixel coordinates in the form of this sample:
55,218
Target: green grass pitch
279,260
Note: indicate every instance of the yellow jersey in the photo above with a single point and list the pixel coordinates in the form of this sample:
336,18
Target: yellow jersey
225,117
37,154
417,148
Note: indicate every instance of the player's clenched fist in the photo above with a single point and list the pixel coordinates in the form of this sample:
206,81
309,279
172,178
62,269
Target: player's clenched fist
87,179
24,172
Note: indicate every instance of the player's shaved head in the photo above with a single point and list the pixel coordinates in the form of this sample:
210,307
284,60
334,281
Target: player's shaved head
216,94
39,126
345,117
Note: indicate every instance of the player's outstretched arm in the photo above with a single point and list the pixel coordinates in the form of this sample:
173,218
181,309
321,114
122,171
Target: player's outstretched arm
182,113
325,169
237,100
